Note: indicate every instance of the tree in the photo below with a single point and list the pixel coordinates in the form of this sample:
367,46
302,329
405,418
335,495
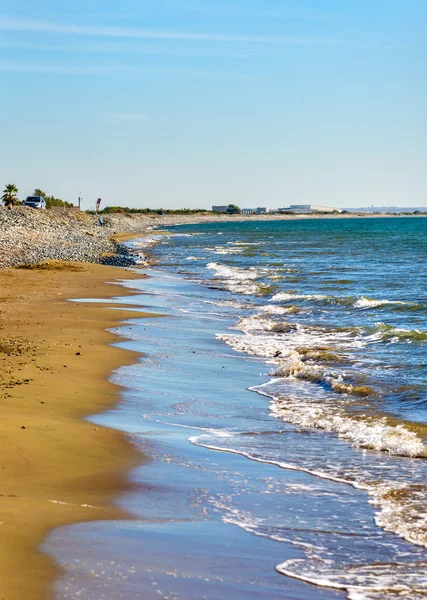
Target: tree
51,200
10,197
232,209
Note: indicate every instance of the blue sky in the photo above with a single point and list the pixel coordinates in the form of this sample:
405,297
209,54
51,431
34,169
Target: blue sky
173,103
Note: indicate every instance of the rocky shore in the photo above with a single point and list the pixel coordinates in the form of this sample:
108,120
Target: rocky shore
28,236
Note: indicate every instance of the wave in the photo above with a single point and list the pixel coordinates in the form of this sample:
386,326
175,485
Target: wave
372,581
241,281
312,354
233,272
261,323
401,508
272,309
361,303
367,303
286,296
259,341
232,250
228,303
235,279
237,243
362,431
362,582
381,332
299,354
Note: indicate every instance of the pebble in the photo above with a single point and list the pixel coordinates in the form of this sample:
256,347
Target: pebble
29,236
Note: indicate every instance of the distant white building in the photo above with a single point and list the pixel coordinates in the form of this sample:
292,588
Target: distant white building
219,209
308,209
260,210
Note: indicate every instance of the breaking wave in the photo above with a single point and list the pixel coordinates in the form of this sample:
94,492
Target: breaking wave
362,582
350,302
241,281
381,332
286,296
362,431
272,309
367,303
235,279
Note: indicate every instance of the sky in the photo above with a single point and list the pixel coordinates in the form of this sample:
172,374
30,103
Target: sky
189,103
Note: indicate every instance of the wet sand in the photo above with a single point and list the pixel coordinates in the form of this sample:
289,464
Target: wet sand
56,468
184,540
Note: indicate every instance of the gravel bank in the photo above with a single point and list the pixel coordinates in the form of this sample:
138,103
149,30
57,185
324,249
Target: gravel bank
28,236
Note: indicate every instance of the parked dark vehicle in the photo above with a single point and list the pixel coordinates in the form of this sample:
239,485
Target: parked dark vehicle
35,202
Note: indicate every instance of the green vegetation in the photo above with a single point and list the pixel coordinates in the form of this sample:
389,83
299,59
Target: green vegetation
9,197
51,200
108,210
232,209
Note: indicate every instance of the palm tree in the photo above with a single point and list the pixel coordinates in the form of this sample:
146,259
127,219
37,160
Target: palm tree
9,195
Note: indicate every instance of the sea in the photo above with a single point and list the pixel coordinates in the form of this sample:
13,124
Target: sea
281,402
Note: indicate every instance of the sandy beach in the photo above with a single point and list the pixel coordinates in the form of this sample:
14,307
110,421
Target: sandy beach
59,469
56,468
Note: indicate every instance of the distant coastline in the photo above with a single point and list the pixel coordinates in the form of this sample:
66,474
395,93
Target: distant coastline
28,236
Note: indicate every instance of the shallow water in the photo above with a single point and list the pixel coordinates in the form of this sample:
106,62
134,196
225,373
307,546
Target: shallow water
283,401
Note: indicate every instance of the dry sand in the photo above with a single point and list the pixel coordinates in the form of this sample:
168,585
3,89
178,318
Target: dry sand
55,468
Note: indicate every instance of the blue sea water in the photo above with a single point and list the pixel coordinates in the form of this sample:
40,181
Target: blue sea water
283,400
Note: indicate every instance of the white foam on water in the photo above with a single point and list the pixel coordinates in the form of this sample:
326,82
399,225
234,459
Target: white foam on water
272,309
401,506
282,344
224,250
186,234
199,441
381,332
402,511
235,279
233,272
227,303
145,242
367,582
238,243
362,431
261,323
404,517
286,296
258,338
365,303
370,581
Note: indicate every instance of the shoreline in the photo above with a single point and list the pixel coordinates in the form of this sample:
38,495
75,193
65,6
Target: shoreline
56,358
28,236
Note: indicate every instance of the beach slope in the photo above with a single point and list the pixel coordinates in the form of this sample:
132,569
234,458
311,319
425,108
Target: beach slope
55,359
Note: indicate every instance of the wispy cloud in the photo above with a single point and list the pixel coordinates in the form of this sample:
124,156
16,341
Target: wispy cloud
119,71
11,24
58,69
130,47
